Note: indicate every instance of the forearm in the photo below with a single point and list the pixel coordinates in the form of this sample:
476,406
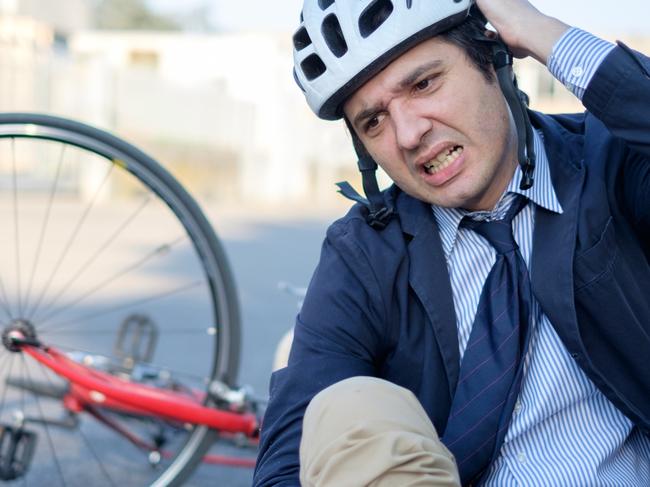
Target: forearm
334,339
613,82
550,30
576,57
616,91
619,96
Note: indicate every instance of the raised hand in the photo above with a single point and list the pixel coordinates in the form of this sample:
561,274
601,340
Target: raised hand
526,30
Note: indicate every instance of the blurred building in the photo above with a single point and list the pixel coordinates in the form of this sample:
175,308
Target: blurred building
62,16
221,111
223,103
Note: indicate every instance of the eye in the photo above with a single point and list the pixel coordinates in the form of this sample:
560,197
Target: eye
422,85
425,85
372,122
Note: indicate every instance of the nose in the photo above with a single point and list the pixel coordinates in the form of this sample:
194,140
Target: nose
409,124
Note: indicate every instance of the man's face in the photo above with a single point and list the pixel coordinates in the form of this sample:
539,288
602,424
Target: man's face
439,129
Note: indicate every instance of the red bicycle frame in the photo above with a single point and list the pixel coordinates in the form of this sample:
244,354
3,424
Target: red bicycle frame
91,388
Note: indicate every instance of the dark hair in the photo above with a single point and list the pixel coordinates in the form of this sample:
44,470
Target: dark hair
466,36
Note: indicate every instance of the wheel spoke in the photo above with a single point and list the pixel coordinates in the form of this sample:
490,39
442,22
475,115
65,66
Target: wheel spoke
88,443
111,331
16,225
4,302
68,245
46,220
45,424
63,324
161,250
86,265
10,356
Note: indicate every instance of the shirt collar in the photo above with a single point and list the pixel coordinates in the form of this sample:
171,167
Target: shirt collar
541,193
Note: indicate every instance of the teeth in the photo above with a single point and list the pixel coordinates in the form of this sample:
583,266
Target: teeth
442,160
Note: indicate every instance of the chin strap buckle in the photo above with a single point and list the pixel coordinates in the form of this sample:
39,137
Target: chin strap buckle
379,213
377,218
527,170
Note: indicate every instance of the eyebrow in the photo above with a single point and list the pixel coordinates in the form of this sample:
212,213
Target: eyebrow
407,81
413,76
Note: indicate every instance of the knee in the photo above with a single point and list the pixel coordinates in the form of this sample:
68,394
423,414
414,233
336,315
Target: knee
371,429
354,393
367,400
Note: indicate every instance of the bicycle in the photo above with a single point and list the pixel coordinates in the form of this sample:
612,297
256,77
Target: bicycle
106,242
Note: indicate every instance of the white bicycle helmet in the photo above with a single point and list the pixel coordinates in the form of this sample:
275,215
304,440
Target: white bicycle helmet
341,44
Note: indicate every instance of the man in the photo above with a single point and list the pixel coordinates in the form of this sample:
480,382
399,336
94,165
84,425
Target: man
550,388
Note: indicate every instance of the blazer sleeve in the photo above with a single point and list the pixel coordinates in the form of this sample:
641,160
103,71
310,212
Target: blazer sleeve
619,96
335,337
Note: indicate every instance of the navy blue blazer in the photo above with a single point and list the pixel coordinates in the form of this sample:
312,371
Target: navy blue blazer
380,303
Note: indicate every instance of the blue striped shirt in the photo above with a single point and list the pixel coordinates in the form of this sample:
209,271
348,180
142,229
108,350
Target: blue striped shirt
564,431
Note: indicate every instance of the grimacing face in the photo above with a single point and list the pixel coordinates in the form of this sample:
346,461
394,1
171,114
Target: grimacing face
440,130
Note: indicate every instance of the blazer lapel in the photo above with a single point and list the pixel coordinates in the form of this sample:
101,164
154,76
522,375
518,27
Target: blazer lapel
555,235
429,278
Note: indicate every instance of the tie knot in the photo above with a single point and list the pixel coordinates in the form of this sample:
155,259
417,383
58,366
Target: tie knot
499,232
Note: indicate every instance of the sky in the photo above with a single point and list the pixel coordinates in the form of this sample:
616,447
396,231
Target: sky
599,16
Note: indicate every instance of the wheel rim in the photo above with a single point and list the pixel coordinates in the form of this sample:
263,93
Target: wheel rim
114,247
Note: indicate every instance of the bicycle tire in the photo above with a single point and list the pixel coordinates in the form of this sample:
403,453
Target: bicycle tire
208,248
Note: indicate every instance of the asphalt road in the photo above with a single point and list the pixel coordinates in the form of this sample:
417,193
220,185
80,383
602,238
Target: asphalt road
267,253
263,249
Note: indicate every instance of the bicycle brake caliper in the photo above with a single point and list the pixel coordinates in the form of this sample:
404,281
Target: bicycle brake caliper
17,447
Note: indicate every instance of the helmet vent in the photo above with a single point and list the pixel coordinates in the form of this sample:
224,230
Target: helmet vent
301,39
333,35
323,4
373,16
313,66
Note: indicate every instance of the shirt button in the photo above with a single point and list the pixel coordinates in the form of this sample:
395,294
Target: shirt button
521,457
517,407
577,71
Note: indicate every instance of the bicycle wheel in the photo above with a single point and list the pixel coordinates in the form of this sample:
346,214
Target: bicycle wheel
99,236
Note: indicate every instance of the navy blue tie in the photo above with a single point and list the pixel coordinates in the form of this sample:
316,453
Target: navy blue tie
490,372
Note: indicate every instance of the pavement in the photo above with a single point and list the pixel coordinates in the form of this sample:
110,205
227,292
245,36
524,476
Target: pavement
265,246
264,251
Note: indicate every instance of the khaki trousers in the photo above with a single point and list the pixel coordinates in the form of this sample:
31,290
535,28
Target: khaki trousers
365,431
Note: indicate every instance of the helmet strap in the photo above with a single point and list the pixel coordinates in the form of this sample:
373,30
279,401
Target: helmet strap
518,103
379,213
